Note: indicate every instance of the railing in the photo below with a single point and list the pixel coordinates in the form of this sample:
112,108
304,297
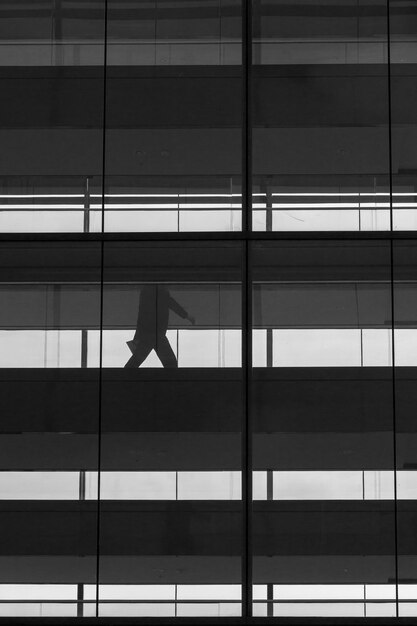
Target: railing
217,600
163,212
188,212
214,348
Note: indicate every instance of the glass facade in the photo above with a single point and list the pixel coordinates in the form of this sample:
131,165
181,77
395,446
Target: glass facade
208,309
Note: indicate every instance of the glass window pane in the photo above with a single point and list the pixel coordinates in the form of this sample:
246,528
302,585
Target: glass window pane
324,518
403,114
51,116
174,116
405,319
171,421
49,402
320,116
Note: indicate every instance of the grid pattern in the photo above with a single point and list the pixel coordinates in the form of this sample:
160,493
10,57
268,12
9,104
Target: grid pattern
208,320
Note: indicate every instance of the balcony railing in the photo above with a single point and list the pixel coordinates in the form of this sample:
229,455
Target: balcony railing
197,212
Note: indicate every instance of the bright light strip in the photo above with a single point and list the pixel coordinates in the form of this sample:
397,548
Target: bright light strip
189,206
110,207
403,205
44,207
44,195
314,194
343,205
209,206
318,205
134,195
211,195
169,195
135,206
342,194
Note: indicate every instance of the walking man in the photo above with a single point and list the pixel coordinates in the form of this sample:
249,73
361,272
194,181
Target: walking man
155,303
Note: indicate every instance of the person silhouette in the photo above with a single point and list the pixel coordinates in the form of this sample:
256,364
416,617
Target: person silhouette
155,302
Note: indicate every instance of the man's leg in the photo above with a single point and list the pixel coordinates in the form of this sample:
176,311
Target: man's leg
165,352
142,350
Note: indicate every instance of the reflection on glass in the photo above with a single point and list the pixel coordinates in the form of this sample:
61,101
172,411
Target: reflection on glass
322,415
345,323
121,356
52,34
403,111
320,117
191,320
49,299
405,318
174,116
172,203
52,69
161,33
171,497
50,203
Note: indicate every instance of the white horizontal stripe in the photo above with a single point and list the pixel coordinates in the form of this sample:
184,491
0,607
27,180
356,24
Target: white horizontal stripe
209,592
208,485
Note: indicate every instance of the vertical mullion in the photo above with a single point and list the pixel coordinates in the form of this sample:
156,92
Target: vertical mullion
100,384
246,308
247,116
394,420
247,432
389,116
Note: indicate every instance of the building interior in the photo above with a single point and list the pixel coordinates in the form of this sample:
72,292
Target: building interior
219,197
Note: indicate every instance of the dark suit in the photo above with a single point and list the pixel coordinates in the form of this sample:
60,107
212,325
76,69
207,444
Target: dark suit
155,303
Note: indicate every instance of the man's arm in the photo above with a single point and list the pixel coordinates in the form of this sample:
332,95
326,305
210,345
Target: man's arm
177,308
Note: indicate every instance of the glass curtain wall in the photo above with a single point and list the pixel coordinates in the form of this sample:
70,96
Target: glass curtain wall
320,115
174,116
324,528
171,497
50,303
208,336
52,55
